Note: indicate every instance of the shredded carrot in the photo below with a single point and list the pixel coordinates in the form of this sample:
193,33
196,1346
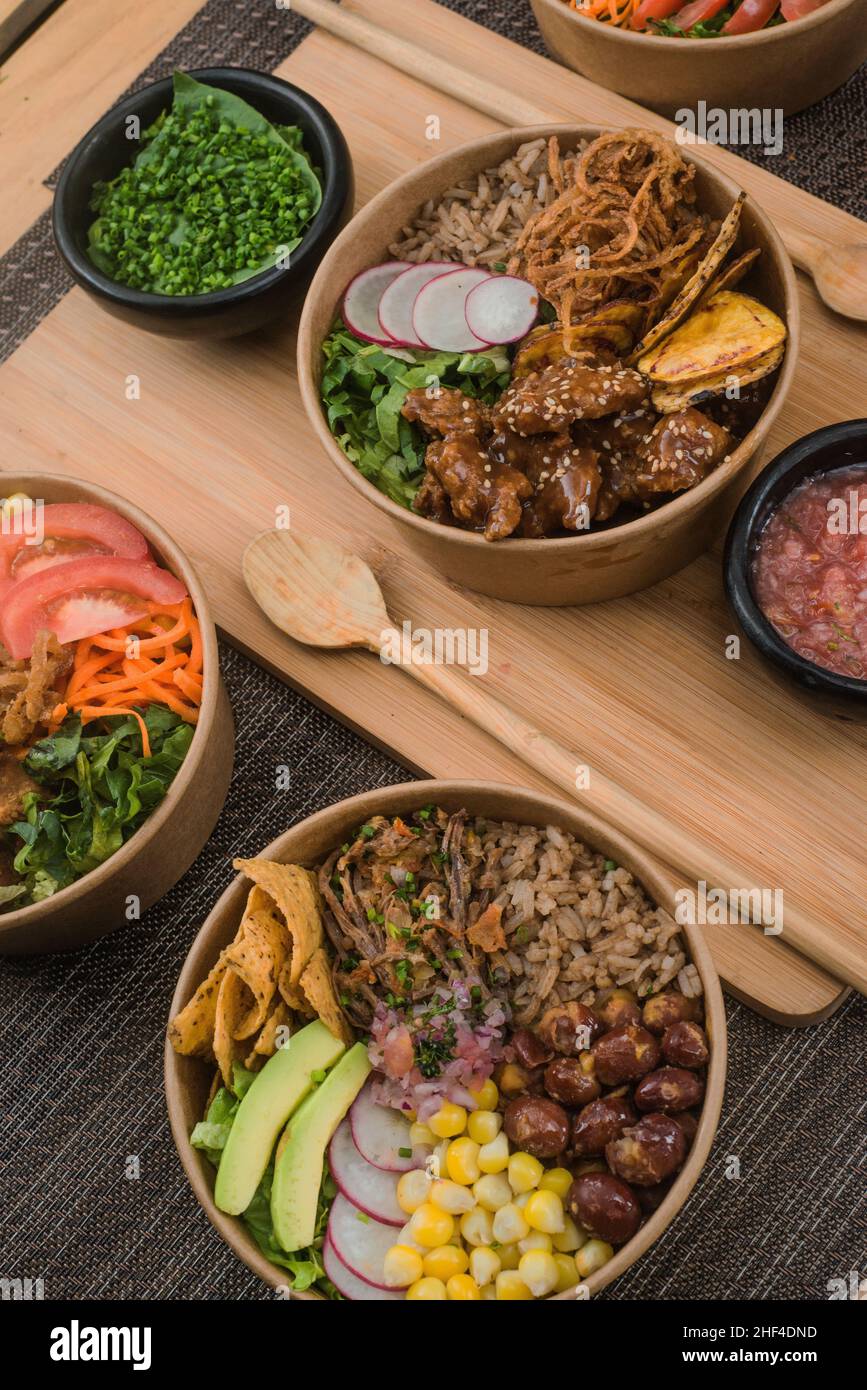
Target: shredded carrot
157,660
609,11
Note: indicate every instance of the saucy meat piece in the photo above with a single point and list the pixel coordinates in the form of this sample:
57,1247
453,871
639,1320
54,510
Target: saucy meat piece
432,500
14,783
565,478
448,412
682,450
545,402
483,493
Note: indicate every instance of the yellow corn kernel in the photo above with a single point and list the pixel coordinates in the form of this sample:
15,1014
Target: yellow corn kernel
521,1199
427,1291
485,1265
571,1238
435,1163
445,1261
509,1224
492,1191
452,1197
462,1161
524,1172
421,1135
401,1267
592,1256
405,1237
536,1240
484,1125
486,1096
413,1188
544,1212
510,1255
430,1226
449,1121
511,1287
538,1269
489,1293
567,1274
557,1180
494,1157
477,1227
461,1288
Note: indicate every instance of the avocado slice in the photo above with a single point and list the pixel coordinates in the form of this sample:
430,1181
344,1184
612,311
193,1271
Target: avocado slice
279,1088
298,1171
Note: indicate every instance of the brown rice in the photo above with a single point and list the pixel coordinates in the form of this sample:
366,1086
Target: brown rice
574,926
477,222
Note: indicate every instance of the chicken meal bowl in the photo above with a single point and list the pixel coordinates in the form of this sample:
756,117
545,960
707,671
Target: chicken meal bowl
550,356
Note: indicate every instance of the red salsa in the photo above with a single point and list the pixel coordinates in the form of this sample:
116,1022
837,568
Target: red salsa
810,570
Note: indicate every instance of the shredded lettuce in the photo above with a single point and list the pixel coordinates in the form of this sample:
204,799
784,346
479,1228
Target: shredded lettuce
98,790
210,1135
364,387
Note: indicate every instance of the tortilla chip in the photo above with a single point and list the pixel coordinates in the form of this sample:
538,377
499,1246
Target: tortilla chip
318,988
259,954
295,893
668,400
696,285
731,274
728,335
233,1004
266,1043
292,995
191,1032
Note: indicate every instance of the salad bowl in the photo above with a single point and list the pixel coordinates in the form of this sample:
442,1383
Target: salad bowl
187,1078
160,851
792,65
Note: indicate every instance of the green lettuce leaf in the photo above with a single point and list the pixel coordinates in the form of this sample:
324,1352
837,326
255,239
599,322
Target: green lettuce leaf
364,387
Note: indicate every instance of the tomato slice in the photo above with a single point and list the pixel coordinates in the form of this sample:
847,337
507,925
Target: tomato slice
82,598
796,9
698,12
752,15
64,531
652,9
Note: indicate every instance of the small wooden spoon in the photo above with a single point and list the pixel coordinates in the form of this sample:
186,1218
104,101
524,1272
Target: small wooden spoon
839,272
323,596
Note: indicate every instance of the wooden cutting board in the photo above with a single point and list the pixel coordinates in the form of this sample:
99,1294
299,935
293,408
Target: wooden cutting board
217,440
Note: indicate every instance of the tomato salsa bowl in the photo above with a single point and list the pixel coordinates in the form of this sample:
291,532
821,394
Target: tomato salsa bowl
124,788
800,541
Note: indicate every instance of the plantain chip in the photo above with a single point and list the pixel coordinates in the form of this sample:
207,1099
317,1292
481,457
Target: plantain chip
697,283
731,275
318,987
669,400
295,894
542,347
191,1032
727,335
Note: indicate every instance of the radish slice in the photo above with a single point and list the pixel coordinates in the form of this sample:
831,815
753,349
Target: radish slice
398,301
361,301
439,317
360,1242
502,309
349,1284
379,1133
370,1189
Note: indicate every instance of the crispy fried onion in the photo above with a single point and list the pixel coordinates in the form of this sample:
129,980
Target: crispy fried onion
625,217
27,688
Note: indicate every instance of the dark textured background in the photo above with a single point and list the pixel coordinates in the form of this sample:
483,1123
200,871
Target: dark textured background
81,1036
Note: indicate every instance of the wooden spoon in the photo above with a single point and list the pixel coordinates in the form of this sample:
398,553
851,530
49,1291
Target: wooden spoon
323,596
839,272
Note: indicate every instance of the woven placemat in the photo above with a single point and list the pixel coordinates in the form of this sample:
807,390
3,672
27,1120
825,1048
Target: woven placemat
93,1199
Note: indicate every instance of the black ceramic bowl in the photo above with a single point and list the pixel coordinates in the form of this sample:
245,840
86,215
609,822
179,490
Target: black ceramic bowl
836,446
105,150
